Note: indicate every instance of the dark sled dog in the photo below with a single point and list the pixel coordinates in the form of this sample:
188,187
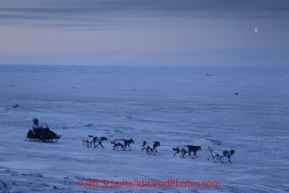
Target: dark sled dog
187,149
97,141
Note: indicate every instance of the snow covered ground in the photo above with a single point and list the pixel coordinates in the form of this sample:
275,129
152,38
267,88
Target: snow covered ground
172,105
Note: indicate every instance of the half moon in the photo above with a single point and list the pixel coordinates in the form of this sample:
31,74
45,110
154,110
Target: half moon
256,30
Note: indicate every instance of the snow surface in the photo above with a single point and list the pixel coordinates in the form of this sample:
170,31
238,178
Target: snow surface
173,105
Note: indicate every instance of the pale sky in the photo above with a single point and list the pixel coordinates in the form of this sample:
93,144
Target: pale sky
146,32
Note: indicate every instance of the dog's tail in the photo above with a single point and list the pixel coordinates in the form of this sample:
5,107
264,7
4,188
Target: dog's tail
113,142
210,151
175,149
210,148
144,143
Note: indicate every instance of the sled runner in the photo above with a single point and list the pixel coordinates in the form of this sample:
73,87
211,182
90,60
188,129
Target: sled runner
44,135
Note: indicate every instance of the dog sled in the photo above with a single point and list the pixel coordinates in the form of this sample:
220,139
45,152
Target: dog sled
42,135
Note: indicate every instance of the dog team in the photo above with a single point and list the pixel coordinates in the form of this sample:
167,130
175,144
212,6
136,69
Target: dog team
151,148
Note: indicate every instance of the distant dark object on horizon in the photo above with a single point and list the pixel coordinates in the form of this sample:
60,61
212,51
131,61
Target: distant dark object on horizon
211,75
236,93
12,85
15,106
88,125
73,87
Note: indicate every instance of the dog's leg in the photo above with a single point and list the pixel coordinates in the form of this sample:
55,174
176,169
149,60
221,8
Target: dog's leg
154,151
189,154
94,143
148,150
125,144
183,154
176,153
100,144
195,154
129,147
229,159
116,146
151,150
221,159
